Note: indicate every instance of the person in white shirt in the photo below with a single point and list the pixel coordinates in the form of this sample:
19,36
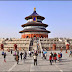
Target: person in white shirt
35,59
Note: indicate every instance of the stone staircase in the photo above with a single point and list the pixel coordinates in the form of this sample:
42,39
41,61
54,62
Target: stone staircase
34,44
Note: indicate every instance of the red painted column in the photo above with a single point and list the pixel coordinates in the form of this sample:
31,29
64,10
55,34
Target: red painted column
49,48
32,35
15,47
2,46
61,49
67,46
54,46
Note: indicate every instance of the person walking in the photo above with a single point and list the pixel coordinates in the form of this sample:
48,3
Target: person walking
5,57
70,53
50,58
11,51
55,57
21,55
18,52
35,59
59,56
3,53
30,53
17,58
25,55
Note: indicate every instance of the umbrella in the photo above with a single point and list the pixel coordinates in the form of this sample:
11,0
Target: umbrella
44,52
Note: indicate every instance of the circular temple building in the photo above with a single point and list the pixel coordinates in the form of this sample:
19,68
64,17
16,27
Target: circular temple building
34,27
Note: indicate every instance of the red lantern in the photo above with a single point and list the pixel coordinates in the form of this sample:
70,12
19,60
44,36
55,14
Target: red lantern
2,46
15,46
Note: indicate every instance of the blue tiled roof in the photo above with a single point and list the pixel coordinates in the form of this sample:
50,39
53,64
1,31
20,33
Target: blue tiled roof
34,14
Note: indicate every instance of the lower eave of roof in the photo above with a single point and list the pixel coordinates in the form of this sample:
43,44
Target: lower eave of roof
34,31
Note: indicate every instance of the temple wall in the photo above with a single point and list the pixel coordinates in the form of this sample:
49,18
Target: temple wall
34,35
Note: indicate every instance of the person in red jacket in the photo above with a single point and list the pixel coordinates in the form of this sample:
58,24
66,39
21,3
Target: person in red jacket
50,58
55,57
59,56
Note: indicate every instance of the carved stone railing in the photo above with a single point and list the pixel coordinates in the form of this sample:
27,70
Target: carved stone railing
40,47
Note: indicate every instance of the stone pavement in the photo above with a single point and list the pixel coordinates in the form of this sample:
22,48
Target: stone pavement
43,65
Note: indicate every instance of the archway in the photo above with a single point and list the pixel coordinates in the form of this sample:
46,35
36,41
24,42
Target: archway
27,36
34,36
41,36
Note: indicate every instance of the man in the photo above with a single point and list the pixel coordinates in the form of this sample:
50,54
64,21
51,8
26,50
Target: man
25,55
11,51
30,53
5,57
3,53
17,58
21,55
60,55
18,52
52,56
35,59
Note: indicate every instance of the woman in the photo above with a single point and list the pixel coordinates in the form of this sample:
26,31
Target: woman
55,57
50,58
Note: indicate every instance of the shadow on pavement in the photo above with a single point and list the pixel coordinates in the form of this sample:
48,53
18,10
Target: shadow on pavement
28,62
66,60
60,64
45,65
20,64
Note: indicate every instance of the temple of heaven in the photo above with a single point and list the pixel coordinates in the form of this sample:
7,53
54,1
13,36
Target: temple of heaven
34,26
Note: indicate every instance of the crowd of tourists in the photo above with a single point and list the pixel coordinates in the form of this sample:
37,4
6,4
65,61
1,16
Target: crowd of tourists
53,56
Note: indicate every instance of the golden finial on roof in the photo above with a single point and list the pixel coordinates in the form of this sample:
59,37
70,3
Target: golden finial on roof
34,9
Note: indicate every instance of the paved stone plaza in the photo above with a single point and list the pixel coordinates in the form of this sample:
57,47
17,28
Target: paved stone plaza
43,65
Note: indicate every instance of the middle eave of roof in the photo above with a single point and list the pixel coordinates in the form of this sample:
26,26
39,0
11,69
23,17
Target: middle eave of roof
34,24
34,30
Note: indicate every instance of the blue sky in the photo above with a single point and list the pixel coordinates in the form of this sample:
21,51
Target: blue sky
58,15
